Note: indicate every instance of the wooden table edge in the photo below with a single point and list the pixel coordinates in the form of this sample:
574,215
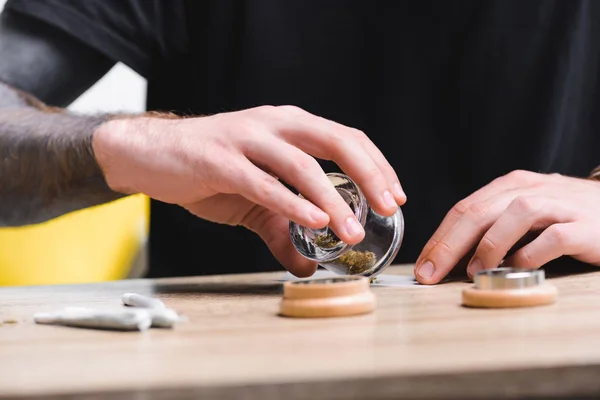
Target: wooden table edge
576,382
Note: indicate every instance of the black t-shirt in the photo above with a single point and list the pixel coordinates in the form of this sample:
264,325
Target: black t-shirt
455,93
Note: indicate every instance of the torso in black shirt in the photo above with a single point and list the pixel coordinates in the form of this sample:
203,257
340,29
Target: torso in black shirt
454,93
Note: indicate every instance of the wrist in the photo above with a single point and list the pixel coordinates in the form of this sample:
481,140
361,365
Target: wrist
115,144
130,151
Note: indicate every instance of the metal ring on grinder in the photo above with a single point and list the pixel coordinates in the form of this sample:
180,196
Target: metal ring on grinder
509,287
328,297
508,278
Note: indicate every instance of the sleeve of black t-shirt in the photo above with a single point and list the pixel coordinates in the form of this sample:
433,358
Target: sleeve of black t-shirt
142,34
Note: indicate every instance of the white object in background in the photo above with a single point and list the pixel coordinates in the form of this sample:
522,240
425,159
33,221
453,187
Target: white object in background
162,317
124,320
120,90
138,300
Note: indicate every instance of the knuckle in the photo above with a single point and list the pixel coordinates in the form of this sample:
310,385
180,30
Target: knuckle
441,251
359,135
289,109
460,208
246,126
361,138
488,244
256,112
331,200
336,144
525,205
292,207
302,163
372,174
557,235
477,212
521,176
524,259
336,139
265,108
268,186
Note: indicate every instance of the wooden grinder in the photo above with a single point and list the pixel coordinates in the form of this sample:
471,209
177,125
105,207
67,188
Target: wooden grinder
509,287
327,297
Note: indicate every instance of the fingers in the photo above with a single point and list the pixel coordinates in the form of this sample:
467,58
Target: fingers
351,150
505,184
269,225
273,230
522,215
384,166
554,242
460,238
306,175
265,190
456,213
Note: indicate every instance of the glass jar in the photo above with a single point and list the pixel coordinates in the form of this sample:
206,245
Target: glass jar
383,236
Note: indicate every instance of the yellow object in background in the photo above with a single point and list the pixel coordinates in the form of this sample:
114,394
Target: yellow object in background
92,245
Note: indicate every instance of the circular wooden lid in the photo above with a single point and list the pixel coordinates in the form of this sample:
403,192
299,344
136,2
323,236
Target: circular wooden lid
509,287
327,297
529,297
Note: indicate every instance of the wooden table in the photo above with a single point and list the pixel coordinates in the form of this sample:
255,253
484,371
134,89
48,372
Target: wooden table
420,343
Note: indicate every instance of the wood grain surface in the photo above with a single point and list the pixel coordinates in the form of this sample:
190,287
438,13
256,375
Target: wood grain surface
419,343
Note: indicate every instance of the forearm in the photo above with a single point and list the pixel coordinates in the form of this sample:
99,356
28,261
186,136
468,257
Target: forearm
47,163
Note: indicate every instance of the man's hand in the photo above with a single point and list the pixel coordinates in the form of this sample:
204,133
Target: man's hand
227,168
492,220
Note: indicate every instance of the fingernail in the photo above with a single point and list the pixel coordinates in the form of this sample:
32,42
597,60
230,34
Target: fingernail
474,266
353,228
426,270
398,190
388,199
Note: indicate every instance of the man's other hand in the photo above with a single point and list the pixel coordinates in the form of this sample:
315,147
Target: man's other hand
563,212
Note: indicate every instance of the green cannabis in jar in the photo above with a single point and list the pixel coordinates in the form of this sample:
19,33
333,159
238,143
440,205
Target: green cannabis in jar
358,261
326,241
355,261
